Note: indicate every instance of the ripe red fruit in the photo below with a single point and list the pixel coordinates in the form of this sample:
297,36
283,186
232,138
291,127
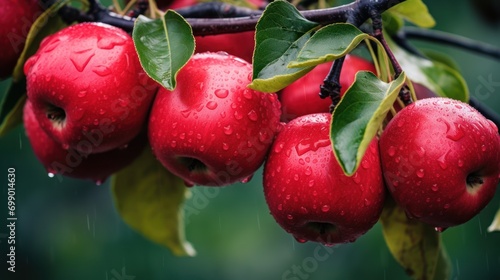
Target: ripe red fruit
213,130
238,44
72,163
16,18
441,161
307,192
302,96
86,82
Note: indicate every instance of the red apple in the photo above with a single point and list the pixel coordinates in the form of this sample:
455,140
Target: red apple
441,161
212,129
16,18
238,44
73,163
86,82
308,193
302,96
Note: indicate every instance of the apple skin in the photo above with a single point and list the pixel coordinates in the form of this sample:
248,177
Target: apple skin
212,130
71,163
16,18
306,189
86,83
302,96
430,150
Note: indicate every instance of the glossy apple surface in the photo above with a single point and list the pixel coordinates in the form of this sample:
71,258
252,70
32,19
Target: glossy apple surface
213,130
72,163
441,161
307,192
86,83
16,19
302,96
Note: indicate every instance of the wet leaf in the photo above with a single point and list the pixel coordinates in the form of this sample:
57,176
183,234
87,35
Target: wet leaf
149,199
280,34
359,115
495,224
11,108
329,43
436,76
164,46
414,11
415,245
46,24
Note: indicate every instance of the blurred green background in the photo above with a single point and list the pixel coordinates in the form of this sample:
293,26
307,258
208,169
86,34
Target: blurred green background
71,230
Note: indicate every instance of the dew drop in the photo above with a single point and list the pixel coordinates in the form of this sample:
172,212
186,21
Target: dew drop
252,115
420,173
277,148
225,146
280,206
202,148
391,151
78,114
221,93
483,148
400,122
460,163
107,43
304,210
308,171
102,70
300,240
80,60
211,105
325,208
446,206
435,188
311,183
246,179
296,177
82,93
173,144
51,175
182,136
290,217
238,115
102,111
228,130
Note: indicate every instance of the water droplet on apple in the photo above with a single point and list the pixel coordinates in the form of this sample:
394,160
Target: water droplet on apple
247,93
428,199
280,206
225,146
211,105
483,148
309,144
435,188
454,132
325,208
51,175
391,151
173,144
446,206
102,70
65,146
300,240
308,171
252,115
367,202
460,163
420,173
246,179
61,97
202,148
81,59
277,148
238,115
107,43
228,130
221,93
311,183
356,178
182,136
290,217
395,183
263,136
78,114
186,113
400,122
102,111
365,164
296,177
440,229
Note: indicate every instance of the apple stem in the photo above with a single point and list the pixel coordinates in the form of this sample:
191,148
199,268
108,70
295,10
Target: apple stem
357,13
331,85
474,180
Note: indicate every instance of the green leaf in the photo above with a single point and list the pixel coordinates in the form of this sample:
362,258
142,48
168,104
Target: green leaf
359,115
414,11
392,22
440,57
149,199
46,24
11,108
495,224
414,245
164,46
329,43
280,34
436,76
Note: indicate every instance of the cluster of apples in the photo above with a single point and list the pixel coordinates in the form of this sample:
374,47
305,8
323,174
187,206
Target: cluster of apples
91,110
